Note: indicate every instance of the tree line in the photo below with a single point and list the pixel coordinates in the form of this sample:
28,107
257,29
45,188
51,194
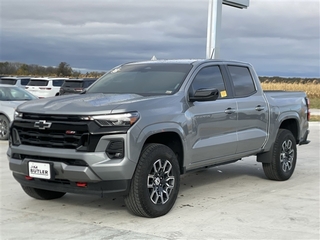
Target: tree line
63,70
277,79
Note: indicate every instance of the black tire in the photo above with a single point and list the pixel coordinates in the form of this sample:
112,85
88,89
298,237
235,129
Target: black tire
4,127
155,184
284,157
42,194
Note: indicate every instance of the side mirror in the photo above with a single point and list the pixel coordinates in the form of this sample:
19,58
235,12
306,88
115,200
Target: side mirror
205,94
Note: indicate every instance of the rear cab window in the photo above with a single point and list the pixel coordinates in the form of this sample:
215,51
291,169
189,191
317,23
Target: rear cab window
242,81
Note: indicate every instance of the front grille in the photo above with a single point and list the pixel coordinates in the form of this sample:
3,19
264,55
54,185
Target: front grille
59,135
66,118
51,139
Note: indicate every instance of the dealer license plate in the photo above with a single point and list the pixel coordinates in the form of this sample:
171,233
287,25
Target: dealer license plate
39,170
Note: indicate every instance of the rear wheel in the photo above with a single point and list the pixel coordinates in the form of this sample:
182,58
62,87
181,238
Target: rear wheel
42,194
284,157
4,127
155,184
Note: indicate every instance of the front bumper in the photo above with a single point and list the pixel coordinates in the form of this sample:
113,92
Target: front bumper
93,188
100,173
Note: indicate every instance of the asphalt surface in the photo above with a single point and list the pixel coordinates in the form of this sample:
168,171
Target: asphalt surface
233,201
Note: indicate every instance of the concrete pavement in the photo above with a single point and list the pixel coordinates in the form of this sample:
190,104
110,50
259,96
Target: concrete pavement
233,201
315,111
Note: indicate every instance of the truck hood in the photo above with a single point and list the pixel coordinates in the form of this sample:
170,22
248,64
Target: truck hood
83,104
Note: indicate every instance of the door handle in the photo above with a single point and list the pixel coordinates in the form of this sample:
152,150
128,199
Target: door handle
229,111
259,108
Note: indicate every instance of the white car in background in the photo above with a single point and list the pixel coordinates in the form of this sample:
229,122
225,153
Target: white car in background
15,81
10,98
45,87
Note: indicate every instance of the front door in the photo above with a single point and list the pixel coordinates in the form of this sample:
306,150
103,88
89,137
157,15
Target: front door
213,123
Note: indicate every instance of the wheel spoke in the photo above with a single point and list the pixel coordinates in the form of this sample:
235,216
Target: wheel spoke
160,181
150,181
157,166
286,155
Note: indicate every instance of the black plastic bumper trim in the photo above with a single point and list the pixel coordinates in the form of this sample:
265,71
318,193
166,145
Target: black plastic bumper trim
93,188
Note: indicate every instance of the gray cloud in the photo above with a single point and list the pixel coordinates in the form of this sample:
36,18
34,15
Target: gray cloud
278,37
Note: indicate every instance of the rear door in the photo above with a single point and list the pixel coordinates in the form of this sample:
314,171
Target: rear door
252,110
214,123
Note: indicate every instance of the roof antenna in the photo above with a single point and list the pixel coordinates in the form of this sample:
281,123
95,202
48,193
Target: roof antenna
153,58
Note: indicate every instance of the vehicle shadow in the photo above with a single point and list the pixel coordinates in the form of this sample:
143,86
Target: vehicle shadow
223,177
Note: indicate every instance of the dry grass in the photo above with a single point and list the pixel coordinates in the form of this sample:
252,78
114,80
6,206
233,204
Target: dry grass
315,118
312,89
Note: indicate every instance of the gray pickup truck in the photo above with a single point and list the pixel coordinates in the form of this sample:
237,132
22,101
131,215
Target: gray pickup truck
143,124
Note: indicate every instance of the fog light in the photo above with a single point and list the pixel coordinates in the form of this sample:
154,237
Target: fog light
115,149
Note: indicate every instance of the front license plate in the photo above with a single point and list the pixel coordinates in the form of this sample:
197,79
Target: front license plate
39,170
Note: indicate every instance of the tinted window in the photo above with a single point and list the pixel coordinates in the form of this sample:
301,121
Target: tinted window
143,79
73,84
57,83
25,81
8,81
38,83
210,77
242,81
87,83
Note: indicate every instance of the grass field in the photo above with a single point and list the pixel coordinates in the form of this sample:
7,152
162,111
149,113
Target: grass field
315,118
312,89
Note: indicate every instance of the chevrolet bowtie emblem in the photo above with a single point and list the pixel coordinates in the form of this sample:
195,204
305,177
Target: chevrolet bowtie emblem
42,124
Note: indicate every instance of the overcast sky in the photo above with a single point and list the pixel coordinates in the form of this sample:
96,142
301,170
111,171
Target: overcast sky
279,37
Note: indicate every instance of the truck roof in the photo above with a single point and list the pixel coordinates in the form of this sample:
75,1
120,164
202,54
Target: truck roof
184,61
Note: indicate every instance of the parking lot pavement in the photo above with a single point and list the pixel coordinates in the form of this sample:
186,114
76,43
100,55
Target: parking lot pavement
233,201
315,112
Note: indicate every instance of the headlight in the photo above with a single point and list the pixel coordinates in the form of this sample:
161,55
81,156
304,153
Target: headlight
123,119
17,115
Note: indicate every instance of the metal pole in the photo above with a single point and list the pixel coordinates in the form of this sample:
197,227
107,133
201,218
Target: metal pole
214,29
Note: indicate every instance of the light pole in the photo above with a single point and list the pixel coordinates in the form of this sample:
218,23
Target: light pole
214,24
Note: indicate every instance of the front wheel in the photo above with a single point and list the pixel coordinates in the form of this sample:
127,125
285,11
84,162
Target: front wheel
155,184
4,127
284,157
42,194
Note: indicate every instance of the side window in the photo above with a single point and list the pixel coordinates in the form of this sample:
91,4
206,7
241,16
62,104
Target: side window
242,81
57,83
210,77
24,82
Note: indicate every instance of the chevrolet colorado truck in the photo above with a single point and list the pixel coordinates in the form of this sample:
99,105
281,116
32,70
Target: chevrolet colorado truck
143,124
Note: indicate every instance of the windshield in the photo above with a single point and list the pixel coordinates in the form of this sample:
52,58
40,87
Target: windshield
143,79
15,94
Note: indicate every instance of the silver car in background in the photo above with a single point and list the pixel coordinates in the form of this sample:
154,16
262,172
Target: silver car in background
10,98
